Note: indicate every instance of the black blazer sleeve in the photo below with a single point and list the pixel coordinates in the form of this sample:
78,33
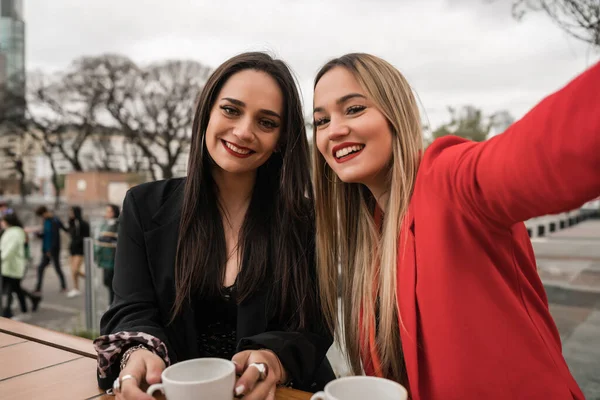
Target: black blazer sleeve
301,353
135,306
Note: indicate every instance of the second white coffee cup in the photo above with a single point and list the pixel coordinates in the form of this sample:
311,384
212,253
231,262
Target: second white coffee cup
361,388
197,379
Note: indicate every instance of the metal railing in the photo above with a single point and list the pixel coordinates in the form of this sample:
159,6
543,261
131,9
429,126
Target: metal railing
91,308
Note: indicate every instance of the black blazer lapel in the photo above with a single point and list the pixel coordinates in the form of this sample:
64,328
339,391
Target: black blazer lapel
161,248
161,236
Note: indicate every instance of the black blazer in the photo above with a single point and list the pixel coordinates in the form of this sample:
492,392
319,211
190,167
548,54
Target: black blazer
144,287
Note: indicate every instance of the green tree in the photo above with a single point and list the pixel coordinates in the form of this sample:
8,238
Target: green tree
469,123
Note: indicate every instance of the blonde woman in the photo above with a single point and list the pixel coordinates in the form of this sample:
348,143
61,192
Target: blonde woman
440,290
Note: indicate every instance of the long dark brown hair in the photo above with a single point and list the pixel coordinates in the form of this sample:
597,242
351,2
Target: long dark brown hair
277,235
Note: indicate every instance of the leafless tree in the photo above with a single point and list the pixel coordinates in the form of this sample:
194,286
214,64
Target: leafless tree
151,106
16,156
102,154
48,148
579,18
111,151
66,105
47,120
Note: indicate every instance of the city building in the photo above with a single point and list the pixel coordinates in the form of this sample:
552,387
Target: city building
12,45
12,81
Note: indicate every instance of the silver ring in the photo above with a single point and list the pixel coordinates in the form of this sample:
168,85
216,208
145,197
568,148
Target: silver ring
119,381
262,370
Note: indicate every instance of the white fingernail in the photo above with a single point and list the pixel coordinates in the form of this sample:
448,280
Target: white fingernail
239,390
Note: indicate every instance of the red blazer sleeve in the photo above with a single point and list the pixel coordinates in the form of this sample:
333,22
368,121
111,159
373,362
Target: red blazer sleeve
547,162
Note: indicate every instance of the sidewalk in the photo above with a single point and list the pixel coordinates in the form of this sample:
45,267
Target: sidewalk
56,310
569,265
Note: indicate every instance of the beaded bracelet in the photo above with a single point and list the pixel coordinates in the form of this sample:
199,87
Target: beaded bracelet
128,353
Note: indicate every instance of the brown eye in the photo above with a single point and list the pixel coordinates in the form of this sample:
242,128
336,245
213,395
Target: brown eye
355,109
320,121
267,123
229,110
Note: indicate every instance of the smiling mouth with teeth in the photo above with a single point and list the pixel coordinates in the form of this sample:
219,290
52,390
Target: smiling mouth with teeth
241,152
348,151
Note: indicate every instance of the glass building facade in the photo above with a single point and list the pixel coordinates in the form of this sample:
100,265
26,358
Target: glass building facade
12,45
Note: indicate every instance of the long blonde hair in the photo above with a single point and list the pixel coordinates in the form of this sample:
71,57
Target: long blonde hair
347,235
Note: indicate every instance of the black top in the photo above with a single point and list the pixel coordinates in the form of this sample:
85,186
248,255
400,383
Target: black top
78,229
216,320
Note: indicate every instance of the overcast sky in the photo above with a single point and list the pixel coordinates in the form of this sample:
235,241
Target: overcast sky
453,52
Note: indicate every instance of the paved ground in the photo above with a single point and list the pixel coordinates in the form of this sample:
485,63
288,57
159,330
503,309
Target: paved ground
569,264
568,261
56,311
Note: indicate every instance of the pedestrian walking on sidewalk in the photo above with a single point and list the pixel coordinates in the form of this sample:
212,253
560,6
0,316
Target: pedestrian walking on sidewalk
106,246
12,251
78,229
4,209
50,235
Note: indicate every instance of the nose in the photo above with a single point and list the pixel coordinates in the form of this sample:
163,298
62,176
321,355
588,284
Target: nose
243,130
337,129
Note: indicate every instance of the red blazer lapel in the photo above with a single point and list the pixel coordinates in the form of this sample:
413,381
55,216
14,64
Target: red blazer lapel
406,293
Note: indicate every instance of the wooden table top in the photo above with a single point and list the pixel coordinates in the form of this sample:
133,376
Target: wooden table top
38,363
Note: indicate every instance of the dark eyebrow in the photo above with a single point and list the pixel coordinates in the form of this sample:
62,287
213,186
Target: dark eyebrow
235,101
341,100
240,103
271,113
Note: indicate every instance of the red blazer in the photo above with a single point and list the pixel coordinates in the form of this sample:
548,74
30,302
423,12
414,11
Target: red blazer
474,314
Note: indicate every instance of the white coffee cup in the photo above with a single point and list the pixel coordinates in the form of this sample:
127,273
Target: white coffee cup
361,388
197,379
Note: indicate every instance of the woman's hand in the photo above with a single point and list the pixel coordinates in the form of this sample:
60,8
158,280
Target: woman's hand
249,384
146,368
